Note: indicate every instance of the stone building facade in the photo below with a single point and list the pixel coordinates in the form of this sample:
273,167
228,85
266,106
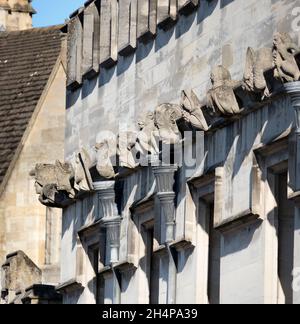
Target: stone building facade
32,123
180,182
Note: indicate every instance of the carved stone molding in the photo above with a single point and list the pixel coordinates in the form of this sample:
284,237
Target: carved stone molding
165,180
109,216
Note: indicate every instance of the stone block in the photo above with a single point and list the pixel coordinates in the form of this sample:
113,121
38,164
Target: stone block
74,75
127,27
166,13
91,41
108,32
147,19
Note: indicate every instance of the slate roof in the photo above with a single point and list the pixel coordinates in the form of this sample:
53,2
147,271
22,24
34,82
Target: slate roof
27,59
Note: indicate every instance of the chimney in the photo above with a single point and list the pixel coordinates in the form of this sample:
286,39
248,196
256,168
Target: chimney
15,15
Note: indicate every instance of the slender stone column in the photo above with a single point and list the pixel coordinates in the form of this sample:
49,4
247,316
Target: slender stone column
111,221
165,180
293,90
110,218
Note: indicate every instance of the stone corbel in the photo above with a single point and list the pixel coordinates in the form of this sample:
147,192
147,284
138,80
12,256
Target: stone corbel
165,179
109,217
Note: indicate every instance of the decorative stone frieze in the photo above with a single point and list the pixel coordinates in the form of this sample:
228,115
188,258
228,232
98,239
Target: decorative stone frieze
110,218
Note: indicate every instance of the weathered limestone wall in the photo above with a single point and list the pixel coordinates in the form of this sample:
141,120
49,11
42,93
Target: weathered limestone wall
179,58
23,218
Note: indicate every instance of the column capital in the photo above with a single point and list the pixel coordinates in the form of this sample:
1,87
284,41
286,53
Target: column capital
104,186
293,90
165,177
292,87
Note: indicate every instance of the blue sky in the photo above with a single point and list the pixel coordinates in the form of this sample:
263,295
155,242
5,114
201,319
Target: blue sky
52,12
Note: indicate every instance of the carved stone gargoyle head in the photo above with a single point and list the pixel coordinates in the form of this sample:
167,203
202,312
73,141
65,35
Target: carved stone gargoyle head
258,62
53,183
105,151
166,117
146,141
284,50
221,98
126,149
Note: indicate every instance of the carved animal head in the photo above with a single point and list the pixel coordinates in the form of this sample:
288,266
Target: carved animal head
166,116
220,75
149,119
105,151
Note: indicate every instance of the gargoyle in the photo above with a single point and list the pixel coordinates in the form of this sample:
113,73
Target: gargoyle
192,110
257,63
166,117
146,142
53,183
286,68
126,147
82,177
104,157
221,98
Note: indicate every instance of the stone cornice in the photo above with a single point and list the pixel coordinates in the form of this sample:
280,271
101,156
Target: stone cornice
118,26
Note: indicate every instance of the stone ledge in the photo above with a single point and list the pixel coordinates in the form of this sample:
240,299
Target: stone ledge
89,228
181,244
70,285
237,221
124,266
